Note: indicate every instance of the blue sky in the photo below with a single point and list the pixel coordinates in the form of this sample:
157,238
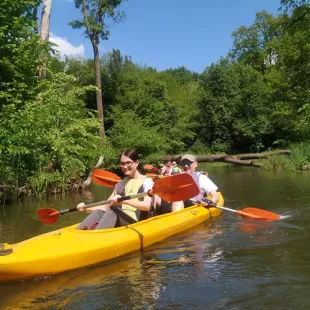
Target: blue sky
164,33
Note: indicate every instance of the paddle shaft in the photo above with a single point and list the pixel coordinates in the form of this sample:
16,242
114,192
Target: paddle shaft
211,204
240,212
262,213
106,202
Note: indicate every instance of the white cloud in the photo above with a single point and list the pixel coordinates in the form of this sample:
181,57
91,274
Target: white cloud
66,48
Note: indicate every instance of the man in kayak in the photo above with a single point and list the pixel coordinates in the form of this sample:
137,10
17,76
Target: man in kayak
130,211
206,186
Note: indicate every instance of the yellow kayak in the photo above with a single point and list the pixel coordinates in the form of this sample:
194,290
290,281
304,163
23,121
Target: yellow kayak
67,248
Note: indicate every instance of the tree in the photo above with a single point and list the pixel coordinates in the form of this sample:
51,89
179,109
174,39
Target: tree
254,45
45,20
19,52
96,13
292,4
232,107
290,77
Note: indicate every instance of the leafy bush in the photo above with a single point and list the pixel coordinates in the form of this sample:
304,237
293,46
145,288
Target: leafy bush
53,139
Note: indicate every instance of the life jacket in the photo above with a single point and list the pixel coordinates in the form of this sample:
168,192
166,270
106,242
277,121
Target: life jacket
201,194
130,187
175,170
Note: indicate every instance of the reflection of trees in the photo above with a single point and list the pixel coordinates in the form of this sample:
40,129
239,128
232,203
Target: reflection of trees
20,221
127,281
135,281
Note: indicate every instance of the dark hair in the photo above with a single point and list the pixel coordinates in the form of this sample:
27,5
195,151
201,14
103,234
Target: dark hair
131,153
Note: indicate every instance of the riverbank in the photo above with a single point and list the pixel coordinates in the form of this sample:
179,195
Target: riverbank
297,159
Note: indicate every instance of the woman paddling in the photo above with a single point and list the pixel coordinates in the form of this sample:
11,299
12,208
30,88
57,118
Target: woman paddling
130,211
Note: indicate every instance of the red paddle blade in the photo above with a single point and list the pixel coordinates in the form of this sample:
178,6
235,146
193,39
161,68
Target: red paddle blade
176,187
105,178
48,215
259,213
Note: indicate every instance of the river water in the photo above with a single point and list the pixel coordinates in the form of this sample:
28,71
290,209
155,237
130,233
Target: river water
231,263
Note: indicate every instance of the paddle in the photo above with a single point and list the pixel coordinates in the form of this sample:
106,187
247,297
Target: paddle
148,167
105,178
151,175
251,212
172,188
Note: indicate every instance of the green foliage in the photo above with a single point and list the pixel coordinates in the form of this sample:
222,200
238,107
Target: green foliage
19,52
300,155
255,99
159,101
286,5
95,17
278,47
55,134
278,163
199,147
131,131
297,161
232,107
43,183
182,75
254,45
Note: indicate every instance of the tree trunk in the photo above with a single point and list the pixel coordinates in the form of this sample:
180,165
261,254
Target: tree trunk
45,20
90,176
239,159
99,89
45,31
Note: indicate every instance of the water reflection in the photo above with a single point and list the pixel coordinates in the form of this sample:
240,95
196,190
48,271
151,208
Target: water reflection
137,280
231,263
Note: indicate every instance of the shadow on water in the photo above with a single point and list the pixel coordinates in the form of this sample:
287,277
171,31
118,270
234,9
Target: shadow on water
232,263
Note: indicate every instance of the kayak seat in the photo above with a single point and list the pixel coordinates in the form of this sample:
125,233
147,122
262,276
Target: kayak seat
120,213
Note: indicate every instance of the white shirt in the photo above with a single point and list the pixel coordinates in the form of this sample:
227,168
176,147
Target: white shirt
147,184
206,184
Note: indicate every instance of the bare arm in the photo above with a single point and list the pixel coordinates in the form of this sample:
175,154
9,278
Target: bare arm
81,205
214,197
144,205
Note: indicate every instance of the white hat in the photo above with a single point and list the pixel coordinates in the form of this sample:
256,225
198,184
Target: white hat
188,157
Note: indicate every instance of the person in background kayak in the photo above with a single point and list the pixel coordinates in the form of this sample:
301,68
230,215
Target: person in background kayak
206,186
175,169
168,168
134,182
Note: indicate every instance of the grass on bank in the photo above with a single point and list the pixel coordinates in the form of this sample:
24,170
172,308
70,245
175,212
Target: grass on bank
298,161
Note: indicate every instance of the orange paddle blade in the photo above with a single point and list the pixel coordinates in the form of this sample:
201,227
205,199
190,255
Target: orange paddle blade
48,215
105,178
148,167
259,213
152,175
176,187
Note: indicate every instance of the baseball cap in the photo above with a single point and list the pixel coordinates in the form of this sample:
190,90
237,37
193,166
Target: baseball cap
189,157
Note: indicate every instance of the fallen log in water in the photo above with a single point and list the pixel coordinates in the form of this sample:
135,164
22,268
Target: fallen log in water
238,159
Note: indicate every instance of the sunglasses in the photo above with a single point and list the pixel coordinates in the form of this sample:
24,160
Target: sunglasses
186,163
